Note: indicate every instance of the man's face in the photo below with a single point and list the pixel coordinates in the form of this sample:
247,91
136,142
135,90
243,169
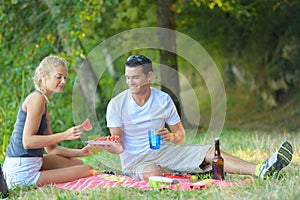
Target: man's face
137,81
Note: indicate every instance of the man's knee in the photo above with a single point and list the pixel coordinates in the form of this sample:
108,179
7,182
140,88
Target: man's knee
151,170
208,158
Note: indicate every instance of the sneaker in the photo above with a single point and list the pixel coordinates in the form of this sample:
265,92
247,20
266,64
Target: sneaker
272,166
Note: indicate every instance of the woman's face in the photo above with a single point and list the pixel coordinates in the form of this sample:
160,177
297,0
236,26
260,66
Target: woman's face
55,82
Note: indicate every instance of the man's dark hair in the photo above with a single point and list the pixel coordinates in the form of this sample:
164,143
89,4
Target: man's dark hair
139,60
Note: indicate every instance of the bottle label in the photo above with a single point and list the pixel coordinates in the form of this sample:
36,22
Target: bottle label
218,172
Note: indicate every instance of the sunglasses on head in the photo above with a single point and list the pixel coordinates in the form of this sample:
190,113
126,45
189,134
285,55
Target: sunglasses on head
138,58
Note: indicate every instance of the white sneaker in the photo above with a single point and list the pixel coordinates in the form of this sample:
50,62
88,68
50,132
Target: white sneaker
280,159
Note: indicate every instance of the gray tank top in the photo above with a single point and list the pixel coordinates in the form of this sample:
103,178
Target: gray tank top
15,147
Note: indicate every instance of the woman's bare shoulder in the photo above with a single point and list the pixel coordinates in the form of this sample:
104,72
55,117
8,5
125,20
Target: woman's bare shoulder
34,100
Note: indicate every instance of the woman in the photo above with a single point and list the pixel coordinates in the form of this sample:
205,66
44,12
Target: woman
25,163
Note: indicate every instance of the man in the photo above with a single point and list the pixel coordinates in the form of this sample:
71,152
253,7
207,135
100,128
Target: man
141,107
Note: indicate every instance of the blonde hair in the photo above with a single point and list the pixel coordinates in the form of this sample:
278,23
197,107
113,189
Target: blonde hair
47,65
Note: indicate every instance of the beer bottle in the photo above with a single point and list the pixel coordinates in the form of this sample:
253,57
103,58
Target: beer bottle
218,162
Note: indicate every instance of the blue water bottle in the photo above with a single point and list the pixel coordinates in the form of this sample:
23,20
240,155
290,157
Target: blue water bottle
154,141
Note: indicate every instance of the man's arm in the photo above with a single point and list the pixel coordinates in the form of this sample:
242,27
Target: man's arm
176,136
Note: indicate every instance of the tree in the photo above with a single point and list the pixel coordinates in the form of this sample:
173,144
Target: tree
169,78
257,40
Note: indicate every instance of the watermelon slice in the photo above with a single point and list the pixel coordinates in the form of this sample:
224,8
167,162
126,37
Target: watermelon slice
87,126
108,138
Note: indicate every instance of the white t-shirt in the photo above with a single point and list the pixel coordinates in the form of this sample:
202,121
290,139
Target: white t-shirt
135,121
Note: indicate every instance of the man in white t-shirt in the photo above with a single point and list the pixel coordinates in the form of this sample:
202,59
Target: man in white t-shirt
140,108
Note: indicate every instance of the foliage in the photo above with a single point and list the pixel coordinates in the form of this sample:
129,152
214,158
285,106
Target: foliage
31,30
258,40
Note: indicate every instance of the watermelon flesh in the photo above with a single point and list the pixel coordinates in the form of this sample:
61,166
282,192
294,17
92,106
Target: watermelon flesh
87,126
113,138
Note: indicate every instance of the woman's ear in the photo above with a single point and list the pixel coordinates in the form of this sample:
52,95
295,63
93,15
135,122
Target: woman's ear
44,75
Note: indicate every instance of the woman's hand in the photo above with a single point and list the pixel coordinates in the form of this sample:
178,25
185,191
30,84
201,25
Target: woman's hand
85,151
73,133
114,148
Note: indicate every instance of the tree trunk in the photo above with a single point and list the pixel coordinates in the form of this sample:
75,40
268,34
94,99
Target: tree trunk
168,59
84,94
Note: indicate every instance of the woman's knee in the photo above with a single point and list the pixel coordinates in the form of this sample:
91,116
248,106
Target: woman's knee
57,161
76,161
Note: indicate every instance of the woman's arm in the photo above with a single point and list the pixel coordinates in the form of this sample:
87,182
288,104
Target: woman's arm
34,105
67,152
63,151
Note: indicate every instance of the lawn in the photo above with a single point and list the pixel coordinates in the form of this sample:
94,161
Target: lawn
252,146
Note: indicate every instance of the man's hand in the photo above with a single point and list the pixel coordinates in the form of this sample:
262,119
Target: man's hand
166,135
176,136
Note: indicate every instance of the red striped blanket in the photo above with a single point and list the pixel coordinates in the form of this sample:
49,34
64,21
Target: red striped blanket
106,180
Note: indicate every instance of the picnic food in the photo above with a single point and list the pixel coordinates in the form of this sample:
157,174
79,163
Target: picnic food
113,177
97,172
87,126
206,182
113,138
105,140
194,178
157,181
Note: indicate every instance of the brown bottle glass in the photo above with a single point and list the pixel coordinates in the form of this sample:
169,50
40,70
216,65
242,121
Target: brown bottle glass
218,163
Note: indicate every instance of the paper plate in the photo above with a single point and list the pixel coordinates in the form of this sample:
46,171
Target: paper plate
101,142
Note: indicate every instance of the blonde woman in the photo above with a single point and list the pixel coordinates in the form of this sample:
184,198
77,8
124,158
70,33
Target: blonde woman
25,163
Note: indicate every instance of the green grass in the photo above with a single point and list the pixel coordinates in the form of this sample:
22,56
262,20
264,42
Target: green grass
252,146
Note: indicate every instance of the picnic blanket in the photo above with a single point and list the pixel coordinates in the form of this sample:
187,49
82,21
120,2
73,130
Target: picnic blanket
107,180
